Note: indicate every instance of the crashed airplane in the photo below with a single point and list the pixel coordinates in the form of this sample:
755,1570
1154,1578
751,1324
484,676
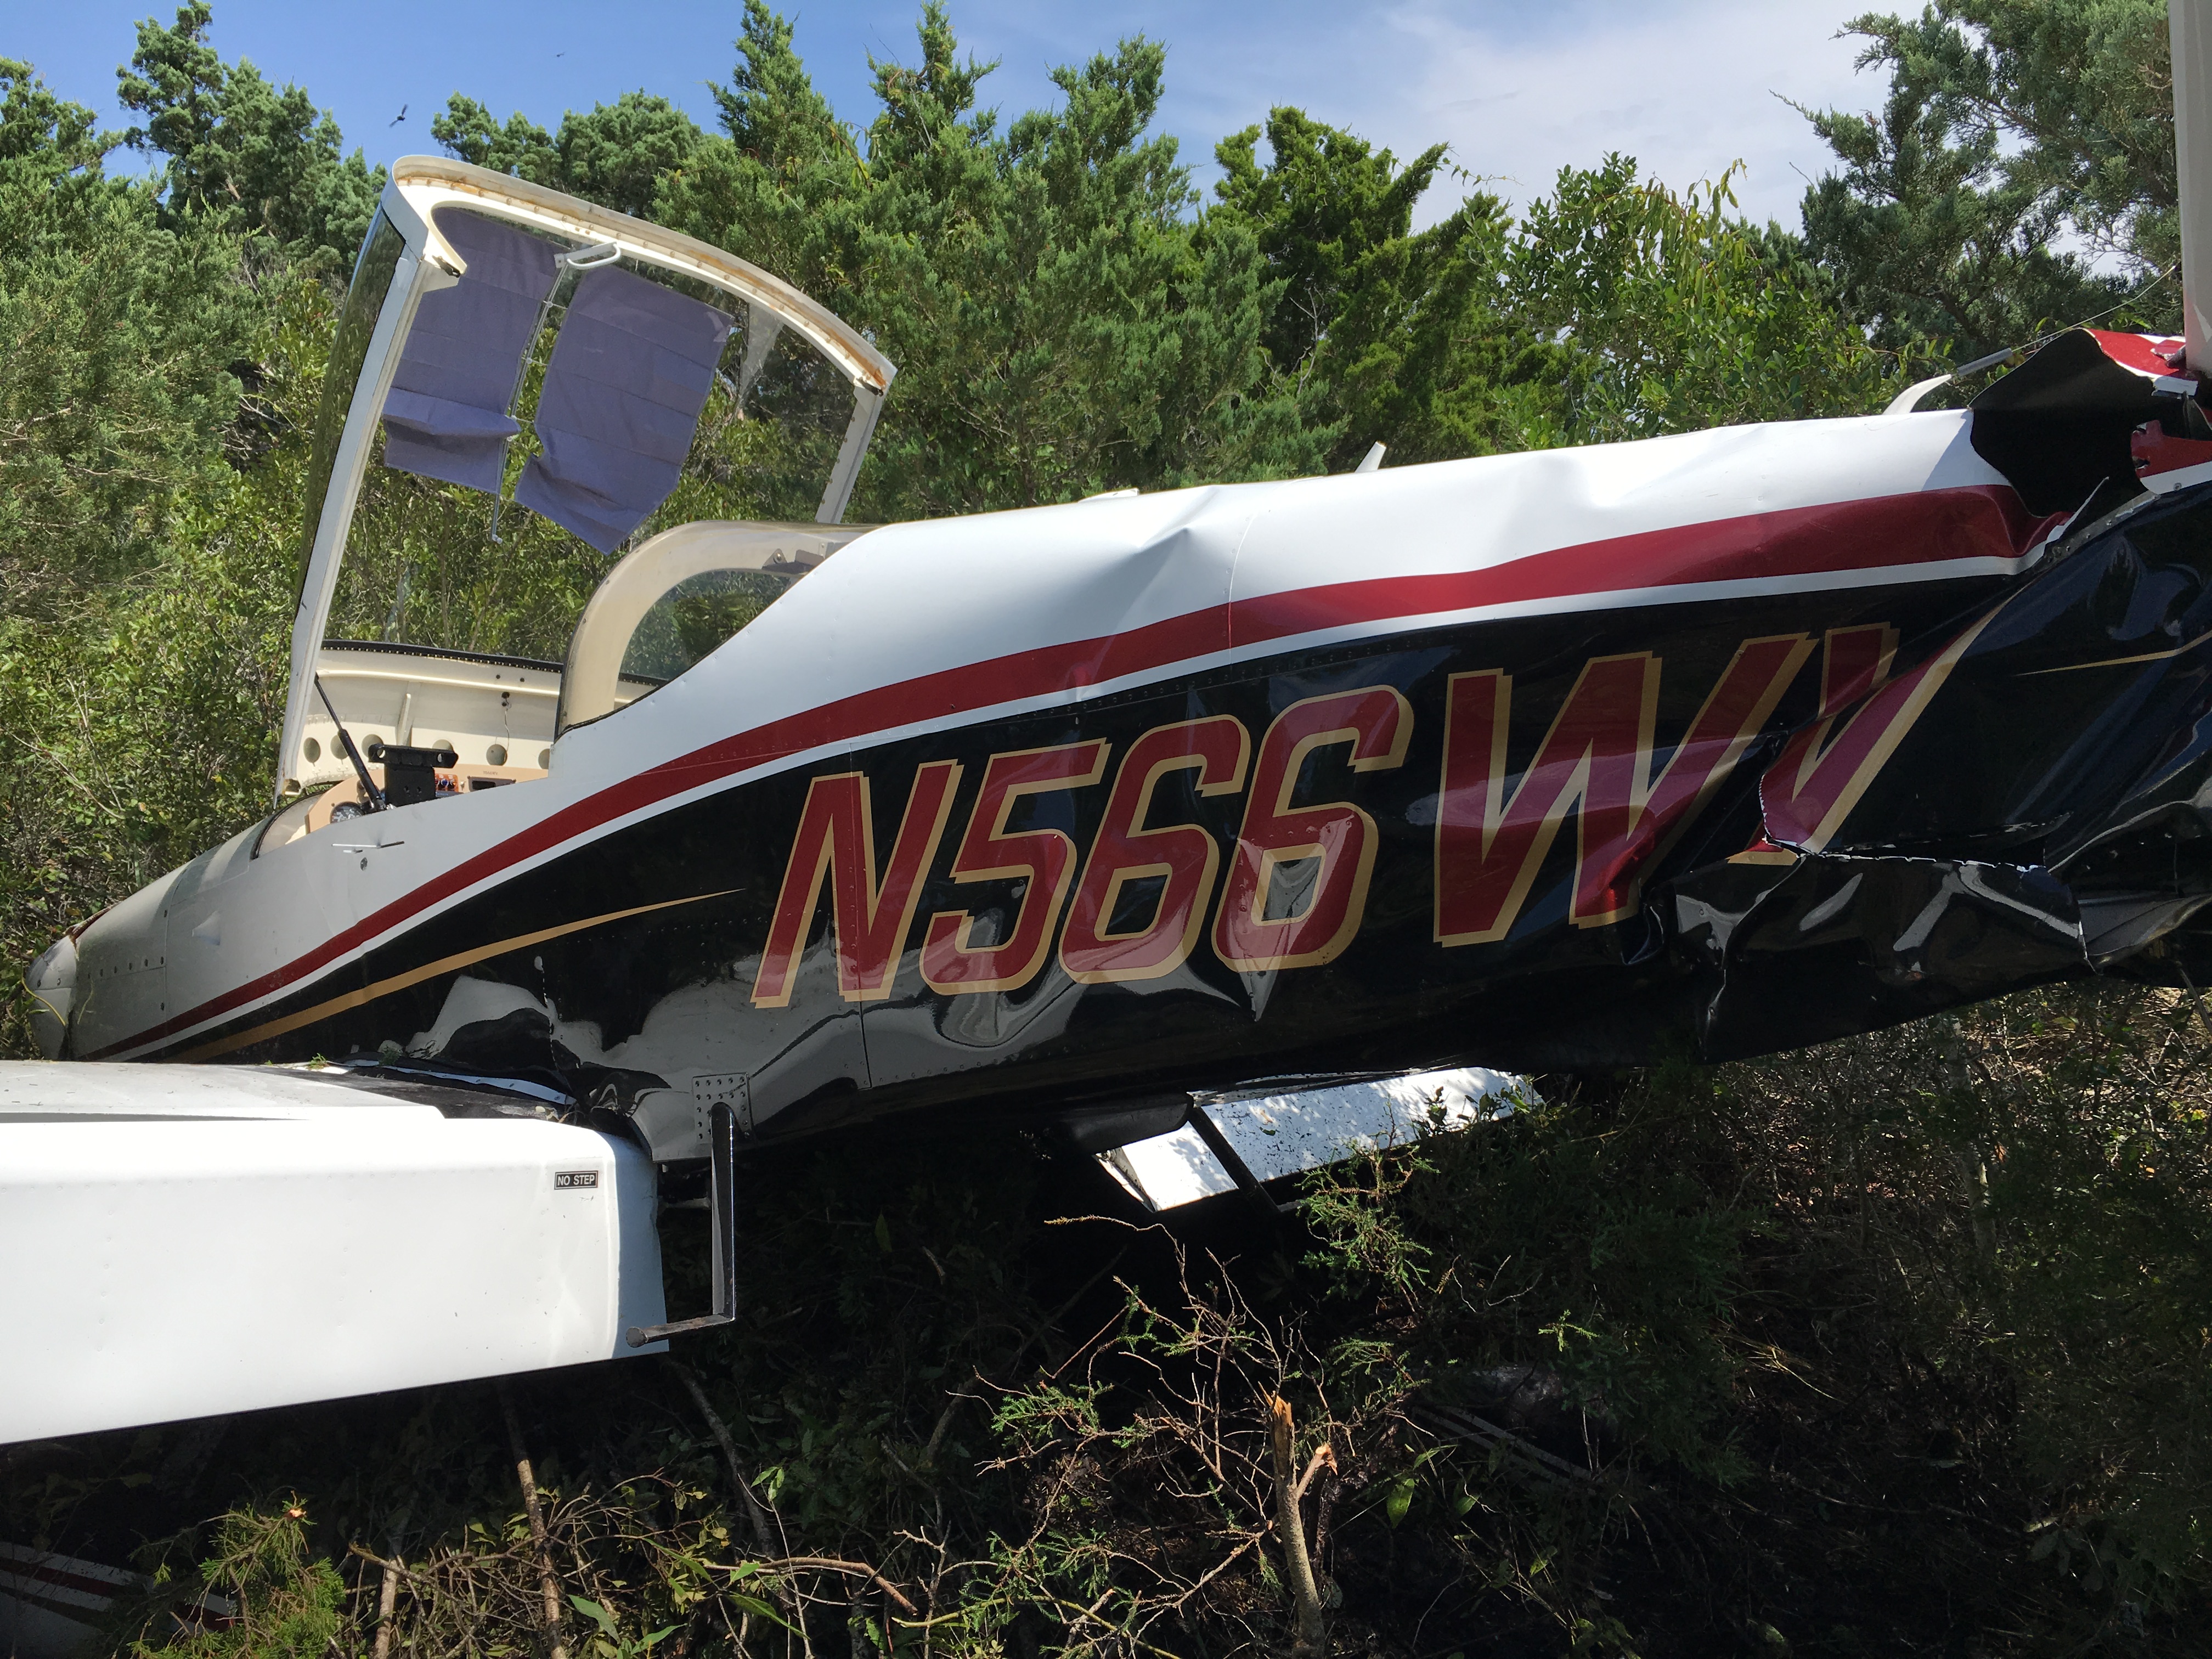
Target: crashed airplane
1083,816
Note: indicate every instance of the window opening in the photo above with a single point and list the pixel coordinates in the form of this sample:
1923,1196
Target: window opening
603,388
695,618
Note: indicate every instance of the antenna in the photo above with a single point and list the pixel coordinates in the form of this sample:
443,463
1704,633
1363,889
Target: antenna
2190,26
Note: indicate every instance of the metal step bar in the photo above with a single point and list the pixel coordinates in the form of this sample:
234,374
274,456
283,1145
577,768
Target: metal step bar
722,1210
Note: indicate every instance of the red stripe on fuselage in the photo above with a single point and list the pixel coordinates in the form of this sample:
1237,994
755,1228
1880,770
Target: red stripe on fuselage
1982,521
1886,530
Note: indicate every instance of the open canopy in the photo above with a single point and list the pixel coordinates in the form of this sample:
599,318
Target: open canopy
586,379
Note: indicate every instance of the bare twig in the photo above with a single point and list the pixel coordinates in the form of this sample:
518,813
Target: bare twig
952,1405
386,1595
1324,1457
851,1568
1217,1568
549,1582
1532,1461
721,1433
398,1568
785,1595
1313,1639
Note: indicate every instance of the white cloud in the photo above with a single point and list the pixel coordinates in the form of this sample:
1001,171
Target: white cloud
1687,89
1518,91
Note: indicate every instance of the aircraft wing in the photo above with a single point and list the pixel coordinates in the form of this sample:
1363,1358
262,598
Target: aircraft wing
187,1241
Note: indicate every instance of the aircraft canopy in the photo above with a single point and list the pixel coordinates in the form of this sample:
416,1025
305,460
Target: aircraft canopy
522,385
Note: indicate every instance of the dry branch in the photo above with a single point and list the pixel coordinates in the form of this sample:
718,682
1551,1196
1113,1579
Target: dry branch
1313,1639
549,1581
721,1433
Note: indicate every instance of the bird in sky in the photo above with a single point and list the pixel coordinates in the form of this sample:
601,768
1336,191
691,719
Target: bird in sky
398,118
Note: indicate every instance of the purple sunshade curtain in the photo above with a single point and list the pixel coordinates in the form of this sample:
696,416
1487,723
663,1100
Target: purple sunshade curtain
446,416
629,375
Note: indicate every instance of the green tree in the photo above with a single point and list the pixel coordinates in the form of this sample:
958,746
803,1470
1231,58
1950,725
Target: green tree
1059,323
259,157
1614,309
521,148
1390,335
142,703
1324,211
1668,312
783,183
770,108
1060,326
615,155
618,153
116,338
2011,127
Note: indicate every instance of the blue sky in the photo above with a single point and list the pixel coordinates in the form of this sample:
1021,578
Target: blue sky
1517,89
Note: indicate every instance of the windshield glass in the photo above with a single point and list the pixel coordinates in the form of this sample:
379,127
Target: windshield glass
371,282
689,622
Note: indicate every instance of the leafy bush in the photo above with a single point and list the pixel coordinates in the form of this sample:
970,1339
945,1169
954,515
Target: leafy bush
286,1600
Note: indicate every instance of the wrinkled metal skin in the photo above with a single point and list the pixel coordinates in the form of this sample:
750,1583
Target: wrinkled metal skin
2046,817
1959,791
